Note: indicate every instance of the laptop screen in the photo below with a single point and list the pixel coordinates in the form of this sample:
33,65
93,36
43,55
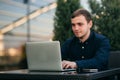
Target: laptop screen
44,56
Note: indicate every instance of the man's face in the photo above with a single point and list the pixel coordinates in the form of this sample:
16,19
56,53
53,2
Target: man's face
80,26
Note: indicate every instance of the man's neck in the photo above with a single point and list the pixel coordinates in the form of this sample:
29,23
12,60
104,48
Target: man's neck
85,37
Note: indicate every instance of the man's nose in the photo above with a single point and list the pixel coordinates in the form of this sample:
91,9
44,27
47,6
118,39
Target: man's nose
76,27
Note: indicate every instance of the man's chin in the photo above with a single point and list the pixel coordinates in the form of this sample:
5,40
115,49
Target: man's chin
78,36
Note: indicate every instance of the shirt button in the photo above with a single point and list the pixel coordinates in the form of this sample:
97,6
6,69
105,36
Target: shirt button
82,47
83,57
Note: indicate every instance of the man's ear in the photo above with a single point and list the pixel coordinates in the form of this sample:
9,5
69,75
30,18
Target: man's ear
90,23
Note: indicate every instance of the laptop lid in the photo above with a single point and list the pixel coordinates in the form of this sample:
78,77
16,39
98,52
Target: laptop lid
44,56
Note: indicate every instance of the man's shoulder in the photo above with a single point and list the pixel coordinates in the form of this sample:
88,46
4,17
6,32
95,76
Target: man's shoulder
70,40
101,40
99,36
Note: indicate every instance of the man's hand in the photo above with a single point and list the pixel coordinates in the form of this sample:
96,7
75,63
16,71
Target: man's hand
68,64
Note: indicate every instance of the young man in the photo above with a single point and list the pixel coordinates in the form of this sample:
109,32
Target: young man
86,49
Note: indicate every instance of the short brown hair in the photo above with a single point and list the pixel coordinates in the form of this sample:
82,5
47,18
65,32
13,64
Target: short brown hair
83,12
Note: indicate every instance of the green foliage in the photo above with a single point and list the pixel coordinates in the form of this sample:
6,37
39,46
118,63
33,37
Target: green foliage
106,18
62,20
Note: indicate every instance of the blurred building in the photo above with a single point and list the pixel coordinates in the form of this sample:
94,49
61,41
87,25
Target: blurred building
21,21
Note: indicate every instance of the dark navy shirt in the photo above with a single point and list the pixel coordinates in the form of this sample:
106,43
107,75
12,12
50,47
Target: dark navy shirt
93,53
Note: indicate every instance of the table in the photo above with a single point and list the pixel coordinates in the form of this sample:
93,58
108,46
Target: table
73,75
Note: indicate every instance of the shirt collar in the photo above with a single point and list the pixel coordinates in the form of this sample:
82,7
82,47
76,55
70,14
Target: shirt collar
90,37
88,40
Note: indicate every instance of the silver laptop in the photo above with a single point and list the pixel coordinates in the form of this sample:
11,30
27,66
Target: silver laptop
44,56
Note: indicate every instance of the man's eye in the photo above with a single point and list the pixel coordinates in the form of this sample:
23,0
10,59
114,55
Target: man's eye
73,24
80,24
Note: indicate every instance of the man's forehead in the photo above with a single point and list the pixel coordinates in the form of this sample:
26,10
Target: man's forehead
80,18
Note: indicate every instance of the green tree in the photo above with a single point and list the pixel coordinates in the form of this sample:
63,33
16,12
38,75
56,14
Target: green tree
62,23
106,18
